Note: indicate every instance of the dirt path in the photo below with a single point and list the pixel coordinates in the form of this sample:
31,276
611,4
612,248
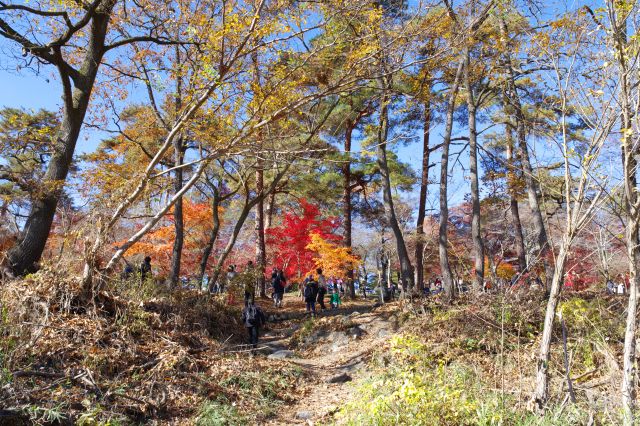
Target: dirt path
330,359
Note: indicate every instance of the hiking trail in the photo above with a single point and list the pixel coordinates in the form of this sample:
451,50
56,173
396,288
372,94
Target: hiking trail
332,350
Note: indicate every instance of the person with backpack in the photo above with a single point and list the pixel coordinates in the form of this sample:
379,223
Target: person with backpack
310,293
253,318
322,289
277,282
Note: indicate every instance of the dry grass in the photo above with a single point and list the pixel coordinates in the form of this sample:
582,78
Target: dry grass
134,356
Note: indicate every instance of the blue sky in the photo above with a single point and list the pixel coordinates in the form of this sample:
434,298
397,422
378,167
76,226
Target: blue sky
27,90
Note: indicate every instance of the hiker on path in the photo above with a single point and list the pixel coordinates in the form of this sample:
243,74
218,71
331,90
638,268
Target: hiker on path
145,268
277,282
310,293
335,299
611,287
128,270
253,318
249,279
322,289
231,274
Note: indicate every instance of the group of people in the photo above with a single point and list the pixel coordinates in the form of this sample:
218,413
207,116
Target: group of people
619,288
315,289
143,270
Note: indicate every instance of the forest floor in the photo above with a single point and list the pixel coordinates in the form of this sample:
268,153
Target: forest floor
151,356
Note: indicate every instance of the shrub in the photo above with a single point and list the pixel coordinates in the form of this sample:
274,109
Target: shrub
219,413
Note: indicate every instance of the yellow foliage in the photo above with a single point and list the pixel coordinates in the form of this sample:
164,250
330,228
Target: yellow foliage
335,260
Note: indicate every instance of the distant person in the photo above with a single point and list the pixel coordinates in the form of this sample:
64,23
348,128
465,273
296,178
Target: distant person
310,293
277,282
335,299
127,272
145,268
253,318
394,289
283,279
231,275
611,287
322,289
621,288
204,284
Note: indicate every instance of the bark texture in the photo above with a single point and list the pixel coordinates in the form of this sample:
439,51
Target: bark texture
476,231
406,268
443,243
25,254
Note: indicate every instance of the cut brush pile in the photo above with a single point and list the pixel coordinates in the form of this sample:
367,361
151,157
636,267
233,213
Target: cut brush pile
164,357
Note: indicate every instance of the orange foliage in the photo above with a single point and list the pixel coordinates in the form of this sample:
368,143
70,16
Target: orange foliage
335,260
159,243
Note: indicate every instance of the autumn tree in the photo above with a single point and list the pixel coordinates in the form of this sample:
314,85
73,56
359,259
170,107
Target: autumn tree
335,260
583,188
74,39
289,242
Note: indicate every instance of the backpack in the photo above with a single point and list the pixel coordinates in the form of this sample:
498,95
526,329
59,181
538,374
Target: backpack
308,290
251,315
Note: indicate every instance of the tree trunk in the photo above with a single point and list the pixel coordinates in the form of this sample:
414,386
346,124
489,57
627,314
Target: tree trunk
260,196
178,219
512,98
542,377
632,210
422,202
261,254
261,250
513,203
213,236
629,353
25,254
447,279
178,156
346,201
232,241
478,246
271,205
403,255
346,186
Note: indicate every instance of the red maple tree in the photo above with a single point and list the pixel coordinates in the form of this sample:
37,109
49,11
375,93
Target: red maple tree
287,243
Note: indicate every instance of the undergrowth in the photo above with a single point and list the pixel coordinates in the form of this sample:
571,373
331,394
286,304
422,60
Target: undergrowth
140,353
410,385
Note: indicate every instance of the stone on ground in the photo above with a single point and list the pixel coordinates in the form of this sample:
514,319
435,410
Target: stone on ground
282,354
340,378
304,415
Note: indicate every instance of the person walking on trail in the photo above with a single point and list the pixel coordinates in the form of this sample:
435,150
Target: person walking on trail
310,294
249,280
322,289
611,287
145,268
253,318
335,299
231,274
128,270
277,282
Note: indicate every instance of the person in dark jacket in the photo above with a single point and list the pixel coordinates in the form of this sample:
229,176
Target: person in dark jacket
310,293
145,268
253,318
277,282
